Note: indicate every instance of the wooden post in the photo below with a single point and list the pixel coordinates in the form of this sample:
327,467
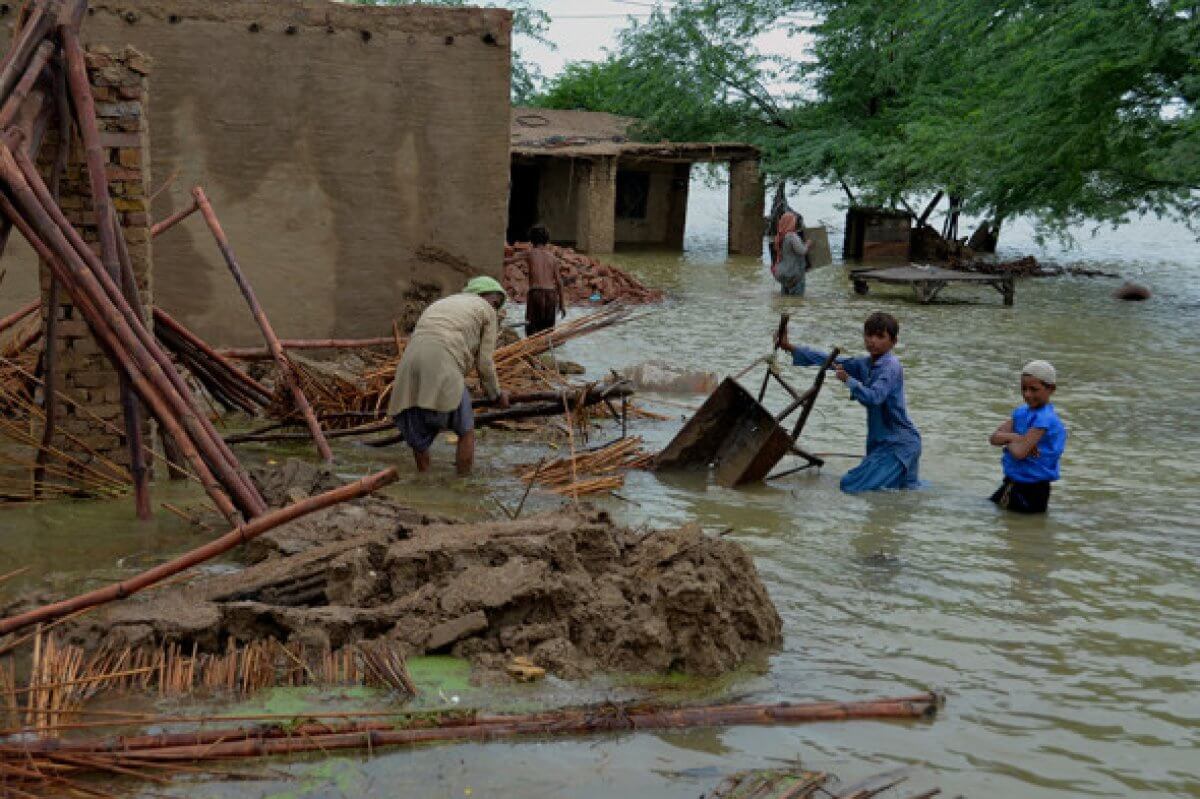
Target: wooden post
106,225
49,345
287,372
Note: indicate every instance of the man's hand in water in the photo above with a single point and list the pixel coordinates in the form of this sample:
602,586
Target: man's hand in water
503,401
841,373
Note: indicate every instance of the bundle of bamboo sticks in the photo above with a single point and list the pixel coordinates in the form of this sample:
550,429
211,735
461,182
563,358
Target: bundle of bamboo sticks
44,77
225,383
63,677
590,472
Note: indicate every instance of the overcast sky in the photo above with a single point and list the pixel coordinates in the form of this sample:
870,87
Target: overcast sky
582,29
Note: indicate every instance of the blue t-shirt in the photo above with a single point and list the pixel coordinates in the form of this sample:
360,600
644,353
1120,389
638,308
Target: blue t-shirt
1050,448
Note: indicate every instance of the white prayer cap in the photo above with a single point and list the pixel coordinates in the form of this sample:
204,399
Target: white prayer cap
1042,370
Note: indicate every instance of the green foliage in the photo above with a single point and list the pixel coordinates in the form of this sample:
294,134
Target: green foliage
1057,109
529,21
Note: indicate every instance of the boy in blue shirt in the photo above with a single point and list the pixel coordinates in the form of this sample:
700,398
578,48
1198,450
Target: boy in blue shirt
877,382
1033,440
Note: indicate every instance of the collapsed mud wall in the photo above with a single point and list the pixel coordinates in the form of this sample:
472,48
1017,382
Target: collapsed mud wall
573,591
335,142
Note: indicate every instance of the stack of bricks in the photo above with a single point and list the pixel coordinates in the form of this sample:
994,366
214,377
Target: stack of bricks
84,372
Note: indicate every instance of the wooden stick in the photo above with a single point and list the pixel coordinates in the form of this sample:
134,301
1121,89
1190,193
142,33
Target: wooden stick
235,537
129,328
50,346
286,371
19,314
568,723
118,268
12,104
174,219
260,354
105,325
166,320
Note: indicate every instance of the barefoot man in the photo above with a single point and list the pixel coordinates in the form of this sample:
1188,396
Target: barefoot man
453,336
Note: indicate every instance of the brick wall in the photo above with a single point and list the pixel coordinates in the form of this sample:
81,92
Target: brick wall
84,372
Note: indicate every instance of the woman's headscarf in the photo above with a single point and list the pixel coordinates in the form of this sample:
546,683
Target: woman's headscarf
787,224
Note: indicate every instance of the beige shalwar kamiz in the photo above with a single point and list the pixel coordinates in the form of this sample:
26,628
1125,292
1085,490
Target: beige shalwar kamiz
453,336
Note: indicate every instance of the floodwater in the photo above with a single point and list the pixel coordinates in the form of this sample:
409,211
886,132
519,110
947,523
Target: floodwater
1066,645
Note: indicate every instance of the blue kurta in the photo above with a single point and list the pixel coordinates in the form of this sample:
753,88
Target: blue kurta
893,442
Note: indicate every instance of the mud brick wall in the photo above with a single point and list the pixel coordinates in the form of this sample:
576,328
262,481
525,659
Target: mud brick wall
341,146
84,372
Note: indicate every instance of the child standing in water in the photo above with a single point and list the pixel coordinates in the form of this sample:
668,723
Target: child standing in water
1033,439
877,382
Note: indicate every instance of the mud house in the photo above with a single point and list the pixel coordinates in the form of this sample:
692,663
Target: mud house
357,156
578,173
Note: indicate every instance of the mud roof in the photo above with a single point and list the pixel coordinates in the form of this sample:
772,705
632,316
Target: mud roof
594,134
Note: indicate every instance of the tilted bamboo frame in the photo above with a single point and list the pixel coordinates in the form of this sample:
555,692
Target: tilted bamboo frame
101,287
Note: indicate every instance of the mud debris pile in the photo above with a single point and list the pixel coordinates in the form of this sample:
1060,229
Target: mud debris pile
584,278
574,592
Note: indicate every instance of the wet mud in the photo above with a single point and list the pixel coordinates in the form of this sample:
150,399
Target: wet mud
573,591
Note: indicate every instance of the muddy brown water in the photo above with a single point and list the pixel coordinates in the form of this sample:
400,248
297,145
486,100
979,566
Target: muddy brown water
1067,644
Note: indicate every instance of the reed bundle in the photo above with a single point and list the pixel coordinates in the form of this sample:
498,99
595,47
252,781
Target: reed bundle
347,392
63,677
590,472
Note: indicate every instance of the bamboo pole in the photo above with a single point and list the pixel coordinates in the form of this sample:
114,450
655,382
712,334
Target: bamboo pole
286,370
592,718
68,269
131,329
174,219
49,347
567,723
233,538
22,50
260,354
175,326
118,268
19,314
221,458
12,104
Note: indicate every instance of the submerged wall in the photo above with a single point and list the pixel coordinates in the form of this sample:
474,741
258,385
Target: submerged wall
351,152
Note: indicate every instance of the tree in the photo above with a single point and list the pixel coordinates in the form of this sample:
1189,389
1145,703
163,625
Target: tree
1058,109
528,22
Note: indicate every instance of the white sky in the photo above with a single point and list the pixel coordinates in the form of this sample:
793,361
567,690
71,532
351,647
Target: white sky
582,29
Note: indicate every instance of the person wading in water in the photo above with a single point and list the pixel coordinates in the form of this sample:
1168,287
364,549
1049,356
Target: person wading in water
546,293
453,336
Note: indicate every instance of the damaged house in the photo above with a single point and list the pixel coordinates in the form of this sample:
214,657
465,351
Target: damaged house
578,173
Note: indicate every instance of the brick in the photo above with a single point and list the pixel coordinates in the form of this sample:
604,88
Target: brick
137,234
130,157
119,139
138,62
88,379
137,218
121,110
134,92
72,328
118,172
102,94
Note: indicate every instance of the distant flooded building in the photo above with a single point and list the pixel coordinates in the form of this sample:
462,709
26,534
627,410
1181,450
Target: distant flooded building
578,173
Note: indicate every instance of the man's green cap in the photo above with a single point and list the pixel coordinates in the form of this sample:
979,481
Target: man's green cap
485,285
